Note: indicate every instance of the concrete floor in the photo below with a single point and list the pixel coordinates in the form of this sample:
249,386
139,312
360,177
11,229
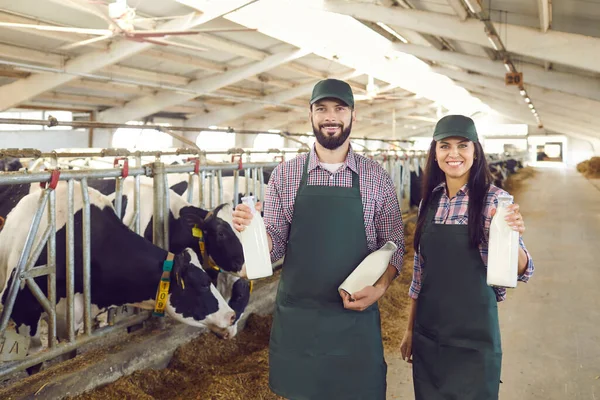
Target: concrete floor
550,326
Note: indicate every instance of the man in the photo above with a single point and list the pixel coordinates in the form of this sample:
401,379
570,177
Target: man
326,211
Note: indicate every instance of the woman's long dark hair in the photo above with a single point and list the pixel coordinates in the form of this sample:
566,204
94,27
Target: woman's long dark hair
479,183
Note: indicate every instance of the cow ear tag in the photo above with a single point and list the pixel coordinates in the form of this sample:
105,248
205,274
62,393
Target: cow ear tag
163,287
196,232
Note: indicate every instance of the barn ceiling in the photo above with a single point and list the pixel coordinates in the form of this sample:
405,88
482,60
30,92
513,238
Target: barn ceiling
409,61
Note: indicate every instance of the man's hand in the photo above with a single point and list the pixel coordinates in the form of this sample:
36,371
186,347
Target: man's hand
362,299
242,216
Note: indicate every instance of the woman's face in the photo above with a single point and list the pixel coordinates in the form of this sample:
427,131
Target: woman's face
455,157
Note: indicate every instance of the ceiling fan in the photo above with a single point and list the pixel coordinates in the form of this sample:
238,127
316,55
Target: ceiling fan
121,20
374,92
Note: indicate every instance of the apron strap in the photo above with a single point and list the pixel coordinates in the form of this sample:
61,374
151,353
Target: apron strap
432,209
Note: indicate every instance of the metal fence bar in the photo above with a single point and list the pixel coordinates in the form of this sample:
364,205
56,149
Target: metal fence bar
254,182
87,271
118,196
70,272
159,204
51,262
247,176
236,187
261,178
14,288
220,185
201,196
12,178
190,189
211,185
10,368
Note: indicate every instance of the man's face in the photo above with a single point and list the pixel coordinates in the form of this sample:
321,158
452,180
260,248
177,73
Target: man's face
332,122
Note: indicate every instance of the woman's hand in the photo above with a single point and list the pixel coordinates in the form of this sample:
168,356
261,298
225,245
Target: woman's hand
514,219
406,346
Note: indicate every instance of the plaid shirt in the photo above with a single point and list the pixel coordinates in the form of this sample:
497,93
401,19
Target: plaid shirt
455,211
383,219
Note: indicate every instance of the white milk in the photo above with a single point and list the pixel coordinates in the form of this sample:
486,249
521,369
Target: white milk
370,269
256,245
503,253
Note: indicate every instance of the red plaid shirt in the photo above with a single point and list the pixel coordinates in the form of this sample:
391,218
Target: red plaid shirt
455,211
383,219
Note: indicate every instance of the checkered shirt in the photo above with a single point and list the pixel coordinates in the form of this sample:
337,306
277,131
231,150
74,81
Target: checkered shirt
455,212
383,219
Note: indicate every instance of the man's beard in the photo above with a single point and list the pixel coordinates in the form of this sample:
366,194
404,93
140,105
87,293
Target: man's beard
332,142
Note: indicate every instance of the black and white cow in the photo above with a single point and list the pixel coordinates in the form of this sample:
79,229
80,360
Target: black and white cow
223,244
125,268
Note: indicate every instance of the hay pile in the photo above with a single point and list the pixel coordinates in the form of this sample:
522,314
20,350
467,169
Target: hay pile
207,368
590,168
212,369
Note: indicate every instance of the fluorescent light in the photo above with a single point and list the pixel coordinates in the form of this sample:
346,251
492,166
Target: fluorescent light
474,6
392,32
274,131
523,93
507,66
495,41
530,105
527,100
213,127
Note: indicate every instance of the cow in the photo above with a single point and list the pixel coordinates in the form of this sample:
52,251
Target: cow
223,243
125,268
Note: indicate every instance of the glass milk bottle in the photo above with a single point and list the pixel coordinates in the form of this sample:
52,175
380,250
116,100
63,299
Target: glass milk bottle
503,252
256,245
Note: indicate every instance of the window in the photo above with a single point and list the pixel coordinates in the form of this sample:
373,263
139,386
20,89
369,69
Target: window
266,141
216,140
141,139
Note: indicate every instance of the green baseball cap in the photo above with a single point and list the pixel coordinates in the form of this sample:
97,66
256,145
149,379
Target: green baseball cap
332,88
455,125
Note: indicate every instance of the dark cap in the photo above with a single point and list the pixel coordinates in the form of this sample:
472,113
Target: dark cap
455,125
332,88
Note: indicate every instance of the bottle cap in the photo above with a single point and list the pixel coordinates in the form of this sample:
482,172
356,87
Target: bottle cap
249,201
505,198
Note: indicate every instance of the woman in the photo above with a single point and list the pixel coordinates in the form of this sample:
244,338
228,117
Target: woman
453,335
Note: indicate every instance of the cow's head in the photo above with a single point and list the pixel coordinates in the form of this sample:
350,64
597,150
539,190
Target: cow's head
223,243
193,299
236,292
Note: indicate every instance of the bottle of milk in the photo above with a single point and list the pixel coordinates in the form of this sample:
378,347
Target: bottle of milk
256,245
503,253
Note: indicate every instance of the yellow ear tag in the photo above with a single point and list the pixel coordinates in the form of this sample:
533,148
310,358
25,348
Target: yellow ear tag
251,286
196,232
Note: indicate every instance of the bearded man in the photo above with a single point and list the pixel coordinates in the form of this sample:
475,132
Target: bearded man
325,211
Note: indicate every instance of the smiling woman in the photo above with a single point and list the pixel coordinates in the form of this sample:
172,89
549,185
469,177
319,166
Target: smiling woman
455,304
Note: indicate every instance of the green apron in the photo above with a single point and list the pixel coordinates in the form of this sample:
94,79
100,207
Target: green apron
456,339
318,349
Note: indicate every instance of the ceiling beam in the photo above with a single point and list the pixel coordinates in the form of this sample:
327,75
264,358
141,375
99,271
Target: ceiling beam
567,48
568,83
150,104
459,9
235,112
545,11
536,93
22,90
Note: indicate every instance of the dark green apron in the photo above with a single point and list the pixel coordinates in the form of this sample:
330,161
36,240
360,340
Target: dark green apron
456,339
318,349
